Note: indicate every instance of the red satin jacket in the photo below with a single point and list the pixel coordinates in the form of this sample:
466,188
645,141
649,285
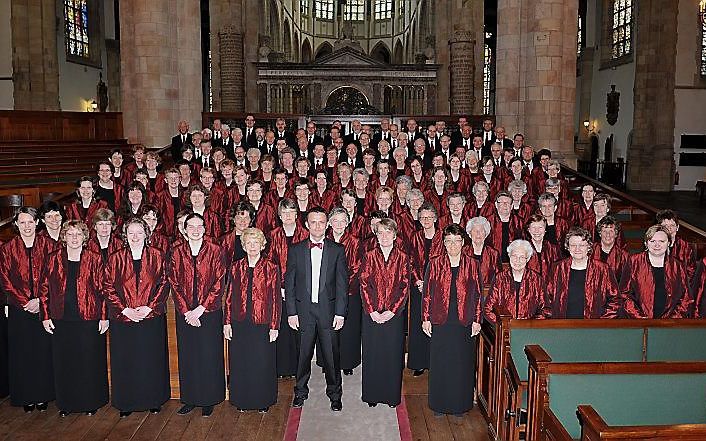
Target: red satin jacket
490,263
51,243
278,245
601,290
384,286
437,290
495,238
353,248
120,283
616,258
266,289
326,200
209,273
75,211
163,202
418,255
637,288
265,218
529,305
542,262
684,251
89,286
15,270
114,243
698,285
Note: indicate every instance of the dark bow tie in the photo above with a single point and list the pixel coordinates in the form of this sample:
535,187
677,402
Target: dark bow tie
319,245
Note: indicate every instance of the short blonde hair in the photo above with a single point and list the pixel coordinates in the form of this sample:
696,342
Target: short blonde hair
80,225
253,233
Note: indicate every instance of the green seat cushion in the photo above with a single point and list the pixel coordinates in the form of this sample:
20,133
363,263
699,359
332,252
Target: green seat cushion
577,345
629,399
676,344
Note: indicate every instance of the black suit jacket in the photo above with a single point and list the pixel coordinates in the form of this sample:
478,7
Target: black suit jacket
378,137
177,145
250,141
507,143
333,282
229,147
317,140
289,137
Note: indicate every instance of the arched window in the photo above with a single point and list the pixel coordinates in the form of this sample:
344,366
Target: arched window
76,28
304,8
487,66
354,10
382,9
702,15
621,28
323,9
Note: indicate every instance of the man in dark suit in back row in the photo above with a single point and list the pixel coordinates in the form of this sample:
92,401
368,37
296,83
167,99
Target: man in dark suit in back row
180,140
316,286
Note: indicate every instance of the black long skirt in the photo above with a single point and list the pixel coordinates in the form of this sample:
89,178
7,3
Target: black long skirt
201,365
351,334
452,370
287,345
80,366
383,360
4,381
253,366
418,342
139,362
31,370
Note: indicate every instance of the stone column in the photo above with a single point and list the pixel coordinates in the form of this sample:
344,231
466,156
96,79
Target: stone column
461,71
535,88
651,155
34,55
232,84
161,68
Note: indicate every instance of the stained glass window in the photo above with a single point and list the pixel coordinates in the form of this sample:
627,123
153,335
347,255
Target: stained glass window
383,9
323,9
579,38
304,7
488,59
354,10
76,27
622,28
702,15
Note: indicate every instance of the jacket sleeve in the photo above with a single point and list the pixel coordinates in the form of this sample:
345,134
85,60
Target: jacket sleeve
216,290
172,272
109,279
613,302
160,293
628,292
290,283
492,301
341,282
683,310
275,297
44,313
426,295
228,296
404,276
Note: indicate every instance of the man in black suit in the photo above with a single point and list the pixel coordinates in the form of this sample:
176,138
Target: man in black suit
500,138
217,139
316,287
488,134
458,132
413,132
179,140
354,136
420,150
283,133
268,145
311,136
333,134
432,139
465,140
479,149
352,156
303,150
384,133
249,133
227,142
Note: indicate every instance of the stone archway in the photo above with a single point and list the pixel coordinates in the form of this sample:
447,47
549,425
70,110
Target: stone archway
347,100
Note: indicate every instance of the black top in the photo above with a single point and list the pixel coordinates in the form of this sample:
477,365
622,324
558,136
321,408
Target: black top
576,298
660,302
239,252
107,195
604,256
517,297
453,298
506,241
104,254
360,205
194,295
427,247
137,267
176,203
31,272
70,299
550,234
248,302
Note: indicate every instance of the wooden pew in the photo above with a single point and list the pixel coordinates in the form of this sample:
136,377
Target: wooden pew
641,395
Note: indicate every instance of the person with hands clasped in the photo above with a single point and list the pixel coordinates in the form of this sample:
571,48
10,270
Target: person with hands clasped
251,325
196,275
73,311
134,288
451,315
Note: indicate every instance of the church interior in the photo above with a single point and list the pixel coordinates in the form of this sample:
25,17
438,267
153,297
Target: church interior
601,105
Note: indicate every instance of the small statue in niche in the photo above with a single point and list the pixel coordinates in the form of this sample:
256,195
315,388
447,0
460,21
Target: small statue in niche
102,94
612,105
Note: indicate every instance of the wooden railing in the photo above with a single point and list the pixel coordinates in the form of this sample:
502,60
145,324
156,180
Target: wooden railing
19,125
614,174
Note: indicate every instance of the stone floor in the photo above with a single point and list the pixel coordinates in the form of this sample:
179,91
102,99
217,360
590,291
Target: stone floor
685,203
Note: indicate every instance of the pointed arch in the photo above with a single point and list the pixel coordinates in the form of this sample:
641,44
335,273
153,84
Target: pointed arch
287,41
295,49
324,49
306,52
398,57
381,53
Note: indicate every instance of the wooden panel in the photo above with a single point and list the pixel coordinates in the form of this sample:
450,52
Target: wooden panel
59,126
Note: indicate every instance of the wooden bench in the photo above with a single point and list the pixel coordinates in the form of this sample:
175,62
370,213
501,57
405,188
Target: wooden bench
640,395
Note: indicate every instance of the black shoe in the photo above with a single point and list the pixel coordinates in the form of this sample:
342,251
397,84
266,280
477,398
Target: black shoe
63,413
372,404
298,402
347,371
336,405
29,408
418,372
206,411
186,408
155,410
91,412
42,406
264,410
125,414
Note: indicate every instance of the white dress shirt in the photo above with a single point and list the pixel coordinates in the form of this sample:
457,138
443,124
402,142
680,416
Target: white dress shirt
316,255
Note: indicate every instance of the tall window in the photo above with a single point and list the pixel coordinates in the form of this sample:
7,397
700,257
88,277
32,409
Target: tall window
702,14
76,27
383,9
488,59
323,9
354,10
621,28
304,7
579,38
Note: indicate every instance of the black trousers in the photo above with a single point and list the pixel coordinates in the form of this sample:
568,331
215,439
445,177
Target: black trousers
317,329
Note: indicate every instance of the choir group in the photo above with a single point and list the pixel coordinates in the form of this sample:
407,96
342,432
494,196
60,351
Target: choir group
437,237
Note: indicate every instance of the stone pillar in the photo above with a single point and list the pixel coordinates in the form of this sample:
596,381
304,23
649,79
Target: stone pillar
461,71
232,75
536,72
161,68
34,55
651,155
